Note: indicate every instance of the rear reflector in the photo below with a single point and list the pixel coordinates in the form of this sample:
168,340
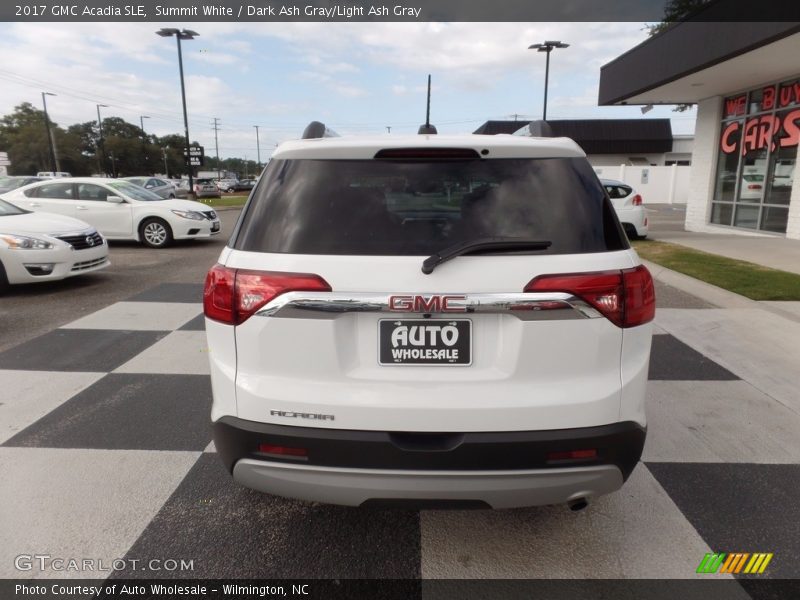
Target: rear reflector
282,450
754,186
637,200
233,295
626,298
572,455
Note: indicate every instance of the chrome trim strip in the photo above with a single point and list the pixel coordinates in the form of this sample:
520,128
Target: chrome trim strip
545,306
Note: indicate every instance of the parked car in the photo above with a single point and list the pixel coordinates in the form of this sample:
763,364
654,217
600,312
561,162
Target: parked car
426,319
203,188
120,210
244,185
629,208
9,182
45,247
160,187
226,185
52,174
751,186
181,189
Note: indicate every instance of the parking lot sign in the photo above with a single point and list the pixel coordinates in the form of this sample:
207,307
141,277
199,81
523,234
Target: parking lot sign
195,155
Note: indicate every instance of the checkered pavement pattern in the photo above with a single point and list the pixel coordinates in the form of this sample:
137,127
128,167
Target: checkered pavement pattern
105,452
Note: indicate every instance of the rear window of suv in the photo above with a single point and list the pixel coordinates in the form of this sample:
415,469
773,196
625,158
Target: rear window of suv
418,207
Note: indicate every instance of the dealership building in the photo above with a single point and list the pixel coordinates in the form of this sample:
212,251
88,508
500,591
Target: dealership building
745,80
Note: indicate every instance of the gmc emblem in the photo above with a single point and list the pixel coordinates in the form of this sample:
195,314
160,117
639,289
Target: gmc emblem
426,304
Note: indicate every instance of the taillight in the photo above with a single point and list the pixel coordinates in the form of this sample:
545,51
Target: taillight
640,296
754,186
234,295
626,298
637,200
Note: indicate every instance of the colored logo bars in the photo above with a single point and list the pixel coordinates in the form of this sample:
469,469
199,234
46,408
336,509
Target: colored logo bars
734,562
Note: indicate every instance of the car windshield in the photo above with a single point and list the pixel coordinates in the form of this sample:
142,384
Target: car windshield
135,180
418,207
8,209
134,191
12,183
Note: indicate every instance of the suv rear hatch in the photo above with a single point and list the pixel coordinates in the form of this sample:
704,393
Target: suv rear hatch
337,325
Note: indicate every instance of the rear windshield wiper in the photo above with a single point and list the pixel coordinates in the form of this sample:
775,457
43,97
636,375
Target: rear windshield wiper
480,245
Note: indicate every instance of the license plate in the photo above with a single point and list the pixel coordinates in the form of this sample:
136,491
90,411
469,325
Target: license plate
215,227
425,342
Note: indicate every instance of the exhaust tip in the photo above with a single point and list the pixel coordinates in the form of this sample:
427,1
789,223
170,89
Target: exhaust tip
578,504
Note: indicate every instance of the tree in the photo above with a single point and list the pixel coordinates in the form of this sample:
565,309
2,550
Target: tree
24,136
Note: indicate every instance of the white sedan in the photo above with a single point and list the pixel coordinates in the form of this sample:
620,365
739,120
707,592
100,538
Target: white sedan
120,210
44,247
629,208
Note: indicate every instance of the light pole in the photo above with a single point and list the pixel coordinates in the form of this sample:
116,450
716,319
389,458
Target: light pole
166,168
102,147
258,148
182,34
548,48
49,133
144,137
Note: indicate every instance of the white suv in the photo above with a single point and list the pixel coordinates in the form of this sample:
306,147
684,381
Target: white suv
429,320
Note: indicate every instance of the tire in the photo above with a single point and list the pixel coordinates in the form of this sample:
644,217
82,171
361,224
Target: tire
630,231
3,279
172,196
155,233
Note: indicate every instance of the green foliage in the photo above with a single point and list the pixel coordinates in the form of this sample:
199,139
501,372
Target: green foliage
744,278
24,136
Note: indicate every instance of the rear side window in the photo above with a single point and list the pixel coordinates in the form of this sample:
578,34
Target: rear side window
51,190
417,207
617,191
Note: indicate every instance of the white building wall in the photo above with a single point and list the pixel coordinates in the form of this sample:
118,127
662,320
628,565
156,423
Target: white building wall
793,223
657,185
704,162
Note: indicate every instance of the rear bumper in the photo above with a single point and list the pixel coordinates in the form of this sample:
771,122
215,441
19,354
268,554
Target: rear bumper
495,489
500,469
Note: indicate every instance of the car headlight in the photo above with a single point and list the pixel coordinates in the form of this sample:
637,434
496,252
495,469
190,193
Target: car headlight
190,214
22,242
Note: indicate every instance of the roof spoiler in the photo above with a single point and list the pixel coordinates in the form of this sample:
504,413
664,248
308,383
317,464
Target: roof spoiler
316,130
536,129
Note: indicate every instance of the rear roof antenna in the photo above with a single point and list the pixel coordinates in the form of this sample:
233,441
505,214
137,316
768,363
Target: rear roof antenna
428,129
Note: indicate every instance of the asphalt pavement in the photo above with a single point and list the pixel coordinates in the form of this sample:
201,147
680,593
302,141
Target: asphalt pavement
105,450
27,311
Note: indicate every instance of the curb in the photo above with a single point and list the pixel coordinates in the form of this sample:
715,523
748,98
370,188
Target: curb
710,293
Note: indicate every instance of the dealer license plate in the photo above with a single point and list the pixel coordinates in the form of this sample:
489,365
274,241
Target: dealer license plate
425,342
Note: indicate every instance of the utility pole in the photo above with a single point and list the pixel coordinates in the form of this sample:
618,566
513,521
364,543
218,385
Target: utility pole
144,140
388,129
216,143
258,148
166,169
50,140
102,145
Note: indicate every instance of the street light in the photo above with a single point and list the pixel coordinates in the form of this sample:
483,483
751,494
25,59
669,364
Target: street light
182,34
144,137
53,165
102,143
258,148
548,48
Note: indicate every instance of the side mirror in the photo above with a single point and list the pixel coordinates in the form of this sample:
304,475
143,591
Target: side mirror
115,199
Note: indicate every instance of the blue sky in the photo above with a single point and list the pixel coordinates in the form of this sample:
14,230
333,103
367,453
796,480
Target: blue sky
356,77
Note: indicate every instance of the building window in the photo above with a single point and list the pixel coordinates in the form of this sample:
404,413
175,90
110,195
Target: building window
757,155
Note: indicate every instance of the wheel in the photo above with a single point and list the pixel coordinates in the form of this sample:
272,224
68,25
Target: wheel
172,196
155,233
